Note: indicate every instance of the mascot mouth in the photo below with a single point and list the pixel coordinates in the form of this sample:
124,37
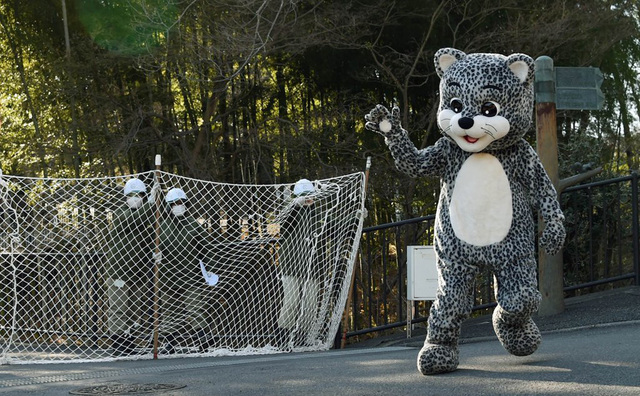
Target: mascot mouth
470,139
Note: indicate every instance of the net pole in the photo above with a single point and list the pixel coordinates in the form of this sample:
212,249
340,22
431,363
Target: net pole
345,314
14,269
156,260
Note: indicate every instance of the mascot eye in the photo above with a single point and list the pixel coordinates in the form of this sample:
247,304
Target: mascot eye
456,105
489,109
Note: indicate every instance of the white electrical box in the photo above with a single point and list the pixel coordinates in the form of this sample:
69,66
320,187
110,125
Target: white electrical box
422,274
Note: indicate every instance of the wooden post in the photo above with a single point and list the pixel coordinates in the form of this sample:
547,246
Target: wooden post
550,267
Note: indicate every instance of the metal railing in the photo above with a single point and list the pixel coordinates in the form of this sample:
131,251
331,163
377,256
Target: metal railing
601,251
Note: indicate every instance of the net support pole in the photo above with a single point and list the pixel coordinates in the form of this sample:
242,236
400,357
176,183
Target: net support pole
345,315
156,262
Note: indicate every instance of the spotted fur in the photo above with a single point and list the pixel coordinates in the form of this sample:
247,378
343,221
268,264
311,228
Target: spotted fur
486,107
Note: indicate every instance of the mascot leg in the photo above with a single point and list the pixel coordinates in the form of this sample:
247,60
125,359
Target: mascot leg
518,298
453,304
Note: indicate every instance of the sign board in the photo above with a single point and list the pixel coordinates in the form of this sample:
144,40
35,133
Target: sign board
422,273
578,88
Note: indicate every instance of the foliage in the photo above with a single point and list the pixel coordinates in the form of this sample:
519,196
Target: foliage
268,91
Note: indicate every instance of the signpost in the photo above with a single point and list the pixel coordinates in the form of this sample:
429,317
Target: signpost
560,88
550,271
578,88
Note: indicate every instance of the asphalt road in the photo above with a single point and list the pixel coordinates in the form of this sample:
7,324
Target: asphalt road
603,359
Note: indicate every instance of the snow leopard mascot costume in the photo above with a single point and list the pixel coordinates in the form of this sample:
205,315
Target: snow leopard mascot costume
491,183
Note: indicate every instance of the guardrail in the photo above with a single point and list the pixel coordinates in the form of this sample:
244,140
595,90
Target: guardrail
601,251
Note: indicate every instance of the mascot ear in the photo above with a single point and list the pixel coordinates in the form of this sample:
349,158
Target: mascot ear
445,57
522,66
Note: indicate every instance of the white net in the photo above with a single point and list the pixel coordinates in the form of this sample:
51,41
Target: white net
243,269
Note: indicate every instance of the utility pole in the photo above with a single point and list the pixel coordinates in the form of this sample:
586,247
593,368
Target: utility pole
550,269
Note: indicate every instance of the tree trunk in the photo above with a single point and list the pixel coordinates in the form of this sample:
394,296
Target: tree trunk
14,42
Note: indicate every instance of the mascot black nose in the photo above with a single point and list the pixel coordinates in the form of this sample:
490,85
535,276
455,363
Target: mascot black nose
465,122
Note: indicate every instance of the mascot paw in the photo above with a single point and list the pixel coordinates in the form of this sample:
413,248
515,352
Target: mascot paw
519,340
552,237
436,359
382,121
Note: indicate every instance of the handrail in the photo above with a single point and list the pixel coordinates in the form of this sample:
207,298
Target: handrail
399,223
621,244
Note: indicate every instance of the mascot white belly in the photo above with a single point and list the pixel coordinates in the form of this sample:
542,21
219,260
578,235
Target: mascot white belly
481,208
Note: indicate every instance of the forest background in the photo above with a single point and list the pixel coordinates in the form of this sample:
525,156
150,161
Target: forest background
269,91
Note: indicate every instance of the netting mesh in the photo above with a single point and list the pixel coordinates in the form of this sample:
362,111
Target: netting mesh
244,268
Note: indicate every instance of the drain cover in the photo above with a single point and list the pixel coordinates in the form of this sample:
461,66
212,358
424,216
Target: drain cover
125,389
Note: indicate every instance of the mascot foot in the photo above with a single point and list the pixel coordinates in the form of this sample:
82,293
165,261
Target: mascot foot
437,358
518,340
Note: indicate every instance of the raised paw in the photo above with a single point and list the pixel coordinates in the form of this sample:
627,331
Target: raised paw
437,359
382,121
518,339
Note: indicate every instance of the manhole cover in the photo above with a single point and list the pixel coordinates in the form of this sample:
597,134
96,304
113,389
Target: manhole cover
125,389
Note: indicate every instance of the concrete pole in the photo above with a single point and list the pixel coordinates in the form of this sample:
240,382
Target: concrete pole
550,269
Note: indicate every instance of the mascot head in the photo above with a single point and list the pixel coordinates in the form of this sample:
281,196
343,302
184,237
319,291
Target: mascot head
486,100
